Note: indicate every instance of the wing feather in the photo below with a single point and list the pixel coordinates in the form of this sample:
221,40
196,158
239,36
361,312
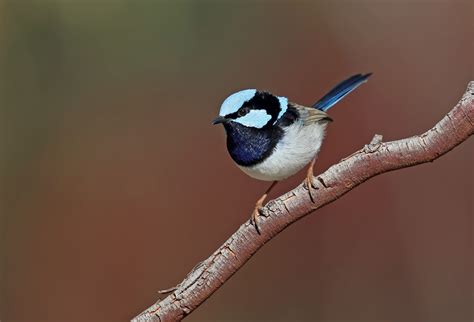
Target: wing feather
310,115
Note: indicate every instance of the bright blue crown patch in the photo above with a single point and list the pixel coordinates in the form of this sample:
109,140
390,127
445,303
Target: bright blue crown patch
235,101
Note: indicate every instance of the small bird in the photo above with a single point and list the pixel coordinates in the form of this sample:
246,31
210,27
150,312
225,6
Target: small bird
270,138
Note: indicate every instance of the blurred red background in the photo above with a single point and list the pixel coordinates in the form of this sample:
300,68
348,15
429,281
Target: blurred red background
115,184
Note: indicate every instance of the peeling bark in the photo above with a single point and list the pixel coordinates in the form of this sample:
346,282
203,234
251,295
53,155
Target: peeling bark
375,158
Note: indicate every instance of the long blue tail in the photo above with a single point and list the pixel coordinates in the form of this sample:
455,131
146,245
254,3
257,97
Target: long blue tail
339,91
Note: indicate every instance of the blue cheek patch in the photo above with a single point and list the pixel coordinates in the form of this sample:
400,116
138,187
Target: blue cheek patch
283,107
235,101
255,118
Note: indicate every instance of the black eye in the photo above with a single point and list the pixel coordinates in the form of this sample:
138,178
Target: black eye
243,111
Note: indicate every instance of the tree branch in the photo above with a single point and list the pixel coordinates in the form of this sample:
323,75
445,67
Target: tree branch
375,158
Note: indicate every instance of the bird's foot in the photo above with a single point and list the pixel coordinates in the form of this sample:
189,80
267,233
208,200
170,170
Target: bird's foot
309,180
257,211
309,186
255,215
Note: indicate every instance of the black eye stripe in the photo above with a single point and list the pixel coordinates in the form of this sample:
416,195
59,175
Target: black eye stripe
267,101
243,111
238,113
261,101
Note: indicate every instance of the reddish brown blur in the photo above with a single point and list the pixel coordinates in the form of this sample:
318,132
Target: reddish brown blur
116,185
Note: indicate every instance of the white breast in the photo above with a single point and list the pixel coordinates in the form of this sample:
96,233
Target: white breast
297,148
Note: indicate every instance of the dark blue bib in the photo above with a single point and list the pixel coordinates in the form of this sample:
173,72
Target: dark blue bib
249,146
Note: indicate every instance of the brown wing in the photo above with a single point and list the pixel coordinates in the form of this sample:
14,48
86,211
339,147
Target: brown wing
311,115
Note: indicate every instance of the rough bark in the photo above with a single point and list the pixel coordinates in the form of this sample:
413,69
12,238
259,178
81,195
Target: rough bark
375,158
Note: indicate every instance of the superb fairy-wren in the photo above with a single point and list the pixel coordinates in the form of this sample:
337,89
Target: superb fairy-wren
271,138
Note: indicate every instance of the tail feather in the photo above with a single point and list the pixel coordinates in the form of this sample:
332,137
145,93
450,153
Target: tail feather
339,91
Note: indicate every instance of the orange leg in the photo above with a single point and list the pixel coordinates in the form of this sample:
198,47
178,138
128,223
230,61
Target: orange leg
309,179
258,207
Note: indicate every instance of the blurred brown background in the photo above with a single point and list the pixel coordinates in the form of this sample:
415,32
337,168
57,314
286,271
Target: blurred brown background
114,183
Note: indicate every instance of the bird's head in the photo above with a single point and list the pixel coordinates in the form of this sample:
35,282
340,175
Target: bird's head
252,109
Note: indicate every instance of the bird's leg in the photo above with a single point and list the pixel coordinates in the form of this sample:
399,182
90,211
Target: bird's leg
258,207
309,179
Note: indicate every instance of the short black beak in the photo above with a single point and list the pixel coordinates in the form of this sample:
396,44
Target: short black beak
219,119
